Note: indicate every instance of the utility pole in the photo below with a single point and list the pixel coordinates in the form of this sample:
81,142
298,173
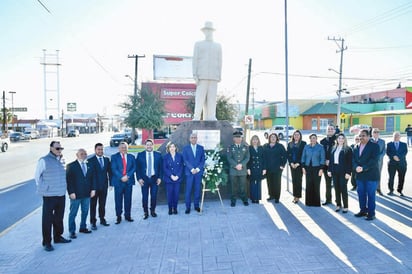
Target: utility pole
342,48
12,108
136,58
4,112
248,90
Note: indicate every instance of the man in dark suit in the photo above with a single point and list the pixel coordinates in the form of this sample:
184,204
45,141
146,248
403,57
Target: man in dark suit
381,144
396,152
194,158
149,174
123,166
102,175
365,163
81,186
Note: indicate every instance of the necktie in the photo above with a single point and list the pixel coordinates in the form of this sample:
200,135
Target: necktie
396,145
101,162
124,165
194,150
149,163
84,168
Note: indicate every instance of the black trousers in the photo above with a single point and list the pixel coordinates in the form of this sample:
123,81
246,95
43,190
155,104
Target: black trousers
341,189
312,193
392,169
297,181
52,216
99,198
273,179
328,182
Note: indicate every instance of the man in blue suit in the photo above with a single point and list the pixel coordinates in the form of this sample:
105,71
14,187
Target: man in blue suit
102,175
123,167
396,152
365,159
81,185
194,158
149,174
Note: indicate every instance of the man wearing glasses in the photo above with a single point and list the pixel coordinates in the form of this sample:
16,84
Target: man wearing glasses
50,180
365,163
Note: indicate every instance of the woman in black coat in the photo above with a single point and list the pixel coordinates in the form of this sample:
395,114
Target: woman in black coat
275,157
294,150
340,168
255,169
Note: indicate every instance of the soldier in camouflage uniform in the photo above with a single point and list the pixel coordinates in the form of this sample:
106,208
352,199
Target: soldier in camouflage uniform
238,157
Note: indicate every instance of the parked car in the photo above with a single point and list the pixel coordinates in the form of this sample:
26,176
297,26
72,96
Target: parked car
355,129
280,130
31,134
73,133
17,136
159,134
4,143
120,137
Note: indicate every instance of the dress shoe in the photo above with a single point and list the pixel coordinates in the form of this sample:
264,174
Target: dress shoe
337,209
370,218
73,235
61,240
361,214
233,204
170,211
390,193
104,223
175,211
187,211
197,209
118,220
400,193
345,210
129,219
353,188
276,201
326,203
145,216
85,230
379,192
246,203
270,198
153,214
48,247
94,227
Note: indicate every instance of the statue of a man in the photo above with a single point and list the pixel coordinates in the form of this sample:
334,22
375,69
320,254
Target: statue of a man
207,70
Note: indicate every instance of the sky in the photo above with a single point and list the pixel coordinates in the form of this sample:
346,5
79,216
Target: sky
95,37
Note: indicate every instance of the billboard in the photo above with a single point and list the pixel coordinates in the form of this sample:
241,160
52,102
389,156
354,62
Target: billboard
169,67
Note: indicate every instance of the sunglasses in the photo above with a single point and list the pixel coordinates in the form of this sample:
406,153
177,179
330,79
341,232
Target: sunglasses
59,148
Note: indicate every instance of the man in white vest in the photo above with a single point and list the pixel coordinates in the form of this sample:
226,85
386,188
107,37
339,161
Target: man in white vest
207,69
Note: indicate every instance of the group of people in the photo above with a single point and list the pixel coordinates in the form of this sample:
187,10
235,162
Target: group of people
87,180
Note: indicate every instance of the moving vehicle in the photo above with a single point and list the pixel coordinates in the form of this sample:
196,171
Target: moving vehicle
120,137
31,134
73,133
4,143
17,136
355,129
280,130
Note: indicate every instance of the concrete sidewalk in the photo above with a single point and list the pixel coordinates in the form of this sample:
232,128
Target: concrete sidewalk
263,238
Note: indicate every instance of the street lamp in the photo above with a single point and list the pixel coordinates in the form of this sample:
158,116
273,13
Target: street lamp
12,108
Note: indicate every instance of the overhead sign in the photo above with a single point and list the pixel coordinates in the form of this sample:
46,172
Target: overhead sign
71,106
20,109
172,67
249,119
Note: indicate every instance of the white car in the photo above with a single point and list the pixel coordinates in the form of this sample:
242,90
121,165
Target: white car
355,129
280,130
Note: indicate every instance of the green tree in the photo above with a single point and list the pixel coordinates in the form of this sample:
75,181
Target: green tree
224,109
145,110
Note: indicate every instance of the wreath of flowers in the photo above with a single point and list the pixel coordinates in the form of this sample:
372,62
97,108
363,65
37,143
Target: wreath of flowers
214,174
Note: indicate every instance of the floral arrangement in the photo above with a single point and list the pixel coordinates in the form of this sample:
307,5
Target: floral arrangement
214,174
